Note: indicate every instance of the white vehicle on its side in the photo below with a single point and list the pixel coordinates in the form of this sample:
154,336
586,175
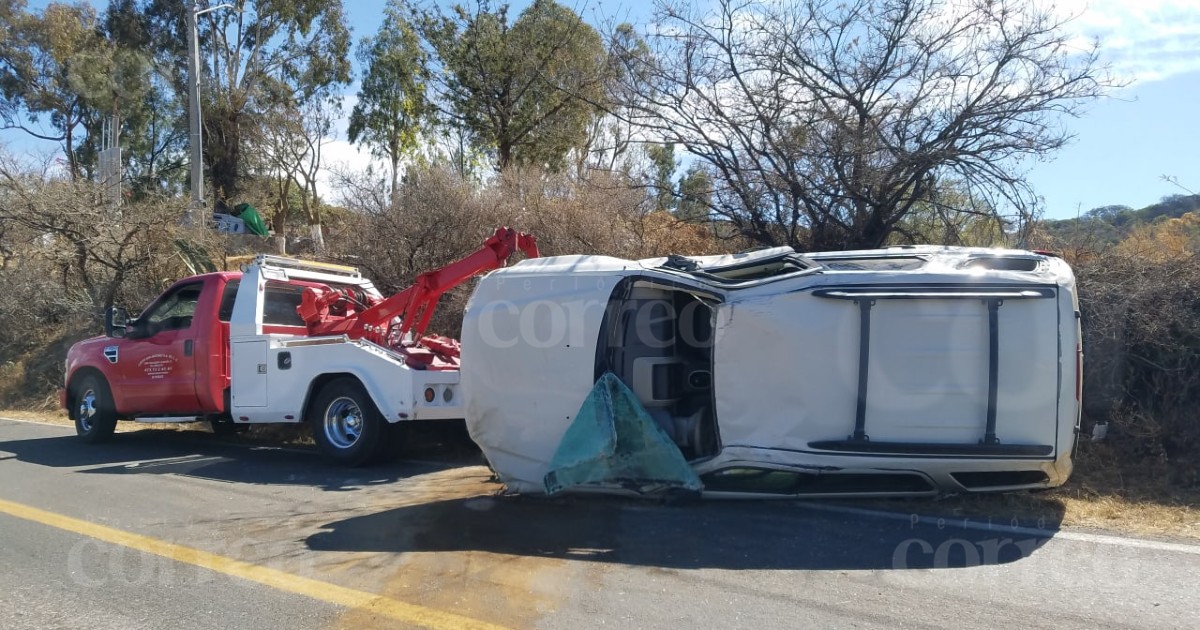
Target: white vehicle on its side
906,370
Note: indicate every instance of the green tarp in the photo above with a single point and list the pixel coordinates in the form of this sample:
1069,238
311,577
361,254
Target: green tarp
614,442
252,219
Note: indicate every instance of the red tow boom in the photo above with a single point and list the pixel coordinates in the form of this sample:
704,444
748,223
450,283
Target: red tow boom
414,305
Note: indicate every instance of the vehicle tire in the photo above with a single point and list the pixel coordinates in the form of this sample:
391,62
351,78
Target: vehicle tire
346,425
95,413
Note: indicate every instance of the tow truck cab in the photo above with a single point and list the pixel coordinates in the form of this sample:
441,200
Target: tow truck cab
173,359
285,341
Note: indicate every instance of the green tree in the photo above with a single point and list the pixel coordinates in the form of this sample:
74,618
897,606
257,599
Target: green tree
291,157
45,60
257,55
695,195
392,107
662,172
153,118
528,89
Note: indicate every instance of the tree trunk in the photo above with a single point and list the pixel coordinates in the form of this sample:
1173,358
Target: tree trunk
69,146
395,196
279,225
223,152
505,154
318,238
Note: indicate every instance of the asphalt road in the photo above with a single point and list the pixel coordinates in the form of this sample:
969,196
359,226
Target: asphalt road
175,529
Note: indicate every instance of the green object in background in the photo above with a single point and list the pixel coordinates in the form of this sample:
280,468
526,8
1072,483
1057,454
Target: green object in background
614,442
251,218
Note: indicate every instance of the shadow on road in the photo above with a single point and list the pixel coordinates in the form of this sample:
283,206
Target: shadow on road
723,535
204,455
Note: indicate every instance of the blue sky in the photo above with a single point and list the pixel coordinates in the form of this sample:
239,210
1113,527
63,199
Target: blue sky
1125,143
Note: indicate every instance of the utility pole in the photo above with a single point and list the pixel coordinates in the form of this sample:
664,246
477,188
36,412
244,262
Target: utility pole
196,207
110,159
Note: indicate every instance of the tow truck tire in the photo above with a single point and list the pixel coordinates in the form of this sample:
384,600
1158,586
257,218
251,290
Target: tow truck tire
94,411
346,425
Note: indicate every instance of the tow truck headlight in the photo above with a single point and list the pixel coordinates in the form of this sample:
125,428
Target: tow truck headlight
430,394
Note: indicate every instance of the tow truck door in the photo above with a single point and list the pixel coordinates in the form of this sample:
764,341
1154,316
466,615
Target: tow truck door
157,364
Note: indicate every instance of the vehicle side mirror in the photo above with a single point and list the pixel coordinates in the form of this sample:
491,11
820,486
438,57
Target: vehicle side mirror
116,322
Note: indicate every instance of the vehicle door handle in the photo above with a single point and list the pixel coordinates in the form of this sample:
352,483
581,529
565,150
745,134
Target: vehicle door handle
187,348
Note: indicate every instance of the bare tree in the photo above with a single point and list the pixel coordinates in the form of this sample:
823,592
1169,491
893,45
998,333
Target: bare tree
94,246
823,124
293,146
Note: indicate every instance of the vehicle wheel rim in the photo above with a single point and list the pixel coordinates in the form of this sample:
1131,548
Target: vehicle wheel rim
87,410
343,422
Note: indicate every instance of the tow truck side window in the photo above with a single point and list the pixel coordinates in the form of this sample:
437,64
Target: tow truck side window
173,312
225,313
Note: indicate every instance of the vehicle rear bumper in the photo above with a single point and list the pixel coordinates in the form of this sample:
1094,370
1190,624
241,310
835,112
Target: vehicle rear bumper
877,474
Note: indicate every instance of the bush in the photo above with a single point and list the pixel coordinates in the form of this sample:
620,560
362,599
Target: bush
1141,323
438,218
69,255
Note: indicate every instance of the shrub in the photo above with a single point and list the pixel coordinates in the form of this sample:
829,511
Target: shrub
1141,324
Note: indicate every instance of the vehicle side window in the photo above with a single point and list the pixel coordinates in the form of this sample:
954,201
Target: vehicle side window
225,313
280,306
279,309
173,312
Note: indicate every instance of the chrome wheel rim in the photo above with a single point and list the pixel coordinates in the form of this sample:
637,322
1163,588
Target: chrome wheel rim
343,422
87,410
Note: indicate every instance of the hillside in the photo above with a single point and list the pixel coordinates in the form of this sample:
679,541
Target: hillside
1111,224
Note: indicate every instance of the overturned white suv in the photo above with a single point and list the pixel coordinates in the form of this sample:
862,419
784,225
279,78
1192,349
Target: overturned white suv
900,371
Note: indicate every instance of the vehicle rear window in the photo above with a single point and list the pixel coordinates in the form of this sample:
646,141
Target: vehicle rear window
280,307
278,310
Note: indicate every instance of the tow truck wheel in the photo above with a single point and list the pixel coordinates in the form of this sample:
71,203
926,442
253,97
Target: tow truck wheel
95,414
346,425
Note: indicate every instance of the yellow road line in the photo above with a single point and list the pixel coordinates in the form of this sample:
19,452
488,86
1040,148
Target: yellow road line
316,589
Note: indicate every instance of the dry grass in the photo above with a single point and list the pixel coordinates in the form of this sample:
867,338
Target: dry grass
45,417
1101,494
1131,497
1077,504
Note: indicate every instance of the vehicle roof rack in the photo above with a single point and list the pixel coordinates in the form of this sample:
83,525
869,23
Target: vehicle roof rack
283,262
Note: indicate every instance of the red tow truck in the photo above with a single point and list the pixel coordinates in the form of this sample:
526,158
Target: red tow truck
283,341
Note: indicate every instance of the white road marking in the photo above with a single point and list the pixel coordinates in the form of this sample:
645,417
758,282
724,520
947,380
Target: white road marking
968,523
